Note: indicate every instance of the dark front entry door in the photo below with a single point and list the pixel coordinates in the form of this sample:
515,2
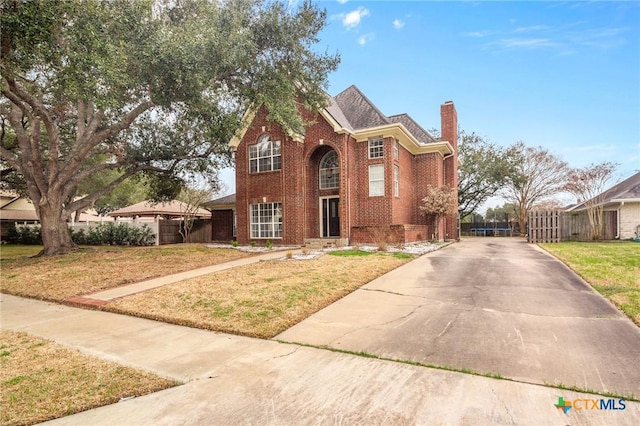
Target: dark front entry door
330,217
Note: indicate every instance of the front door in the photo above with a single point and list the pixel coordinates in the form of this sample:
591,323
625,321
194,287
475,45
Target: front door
330,217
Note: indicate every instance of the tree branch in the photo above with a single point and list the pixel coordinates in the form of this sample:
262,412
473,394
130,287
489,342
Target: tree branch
88,200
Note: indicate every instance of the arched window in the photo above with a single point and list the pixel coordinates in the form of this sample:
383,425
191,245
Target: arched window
329,171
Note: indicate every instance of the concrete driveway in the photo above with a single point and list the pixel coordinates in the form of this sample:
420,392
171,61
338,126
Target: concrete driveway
491,305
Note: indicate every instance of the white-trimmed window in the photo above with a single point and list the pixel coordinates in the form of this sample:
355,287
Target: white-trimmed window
265,155
376,147
396,150
376,180
396,180
266,220
329,171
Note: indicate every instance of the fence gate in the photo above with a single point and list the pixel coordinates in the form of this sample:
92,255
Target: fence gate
544,226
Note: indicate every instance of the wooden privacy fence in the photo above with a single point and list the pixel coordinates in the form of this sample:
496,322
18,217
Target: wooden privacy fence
544,226
553,226
169,231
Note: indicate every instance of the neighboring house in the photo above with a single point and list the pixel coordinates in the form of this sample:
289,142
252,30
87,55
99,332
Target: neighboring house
354,175
624,199
15,209
169,210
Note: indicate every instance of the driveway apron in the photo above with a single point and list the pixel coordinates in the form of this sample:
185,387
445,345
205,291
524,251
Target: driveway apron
490,305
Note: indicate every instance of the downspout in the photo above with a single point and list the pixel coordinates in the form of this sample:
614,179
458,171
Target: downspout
618,220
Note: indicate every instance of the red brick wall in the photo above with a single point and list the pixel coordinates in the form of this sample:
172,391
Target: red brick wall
404,206
296,185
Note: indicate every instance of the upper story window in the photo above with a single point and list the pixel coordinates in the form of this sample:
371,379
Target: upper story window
396,150
376,180
265,155
376,147
396,180
329,171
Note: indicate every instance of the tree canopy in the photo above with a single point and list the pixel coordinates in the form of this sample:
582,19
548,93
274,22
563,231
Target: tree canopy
143,87
538,174
484,168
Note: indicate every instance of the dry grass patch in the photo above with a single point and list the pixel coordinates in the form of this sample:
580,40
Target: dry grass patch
259,300
42,380
97,268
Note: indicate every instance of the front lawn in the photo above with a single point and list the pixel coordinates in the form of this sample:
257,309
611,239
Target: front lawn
42,380
259,300
97,268
612,268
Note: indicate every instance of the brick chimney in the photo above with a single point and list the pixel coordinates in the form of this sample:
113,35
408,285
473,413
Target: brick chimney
449,131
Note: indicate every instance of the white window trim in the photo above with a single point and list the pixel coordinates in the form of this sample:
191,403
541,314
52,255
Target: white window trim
377,193
263,140
275,225
396,149
380,147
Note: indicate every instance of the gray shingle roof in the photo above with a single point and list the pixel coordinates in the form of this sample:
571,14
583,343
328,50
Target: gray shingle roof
627,189
354,111
359,110
227,199
416,130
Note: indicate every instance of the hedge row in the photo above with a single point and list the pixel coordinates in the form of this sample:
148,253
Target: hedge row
103,234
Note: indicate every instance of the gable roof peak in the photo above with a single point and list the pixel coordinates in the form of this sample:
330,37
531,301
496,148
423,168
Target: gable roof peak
359,110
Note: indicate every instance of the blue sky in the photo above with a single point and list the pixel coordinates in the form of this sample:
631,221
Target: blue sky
562,75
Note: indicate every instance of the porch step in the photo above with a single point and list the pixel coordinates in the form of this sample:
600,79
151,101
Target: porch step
322,243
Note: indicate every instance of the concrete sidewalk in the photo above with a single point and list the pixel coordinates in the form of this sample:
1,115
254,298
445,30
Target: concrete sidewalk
102,297
239,380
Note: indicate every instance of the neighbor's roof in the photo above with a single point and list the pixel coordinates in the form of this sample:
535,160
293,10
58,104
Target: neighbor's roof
147,208
18,215
628,190
222,203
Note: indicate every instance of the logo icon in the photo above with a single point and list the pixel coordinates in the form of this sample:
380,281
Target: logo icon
563,405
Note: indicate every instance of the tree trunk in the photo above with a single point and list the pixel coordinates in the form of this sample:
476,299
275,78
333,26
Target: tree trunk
436,222
522,220
55,232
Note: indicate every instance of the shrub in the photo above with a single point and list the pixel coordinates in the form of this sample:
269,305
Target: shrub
24,234
268,244
234,243
114,234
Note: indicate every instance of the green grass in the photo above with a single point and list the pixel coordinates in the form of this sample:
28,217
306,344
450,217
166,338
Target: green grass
347,253
13,251
612,269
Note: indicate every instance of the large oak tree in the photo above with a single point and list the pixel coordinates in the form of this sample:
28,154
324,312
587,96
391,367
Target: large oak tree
155,88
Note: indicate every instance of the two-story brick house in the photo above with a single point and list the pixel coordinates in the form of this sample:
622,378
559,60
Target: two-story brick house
353,175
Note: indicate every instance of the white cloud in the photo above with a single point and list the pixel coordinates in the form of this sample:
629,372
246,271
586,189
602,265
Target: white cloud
398,24
531,28
364,39
478,34
342,1
523,43
352,19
